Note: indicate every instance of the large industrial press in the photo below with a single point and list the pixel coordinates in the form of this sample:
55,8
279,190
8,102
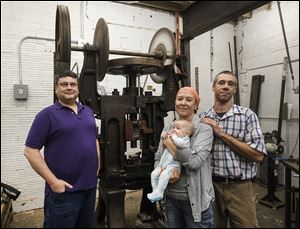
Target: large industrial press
132,115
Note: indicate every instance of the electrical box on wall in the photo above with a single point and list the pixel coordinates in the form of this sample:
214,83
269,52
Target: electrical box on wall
20,91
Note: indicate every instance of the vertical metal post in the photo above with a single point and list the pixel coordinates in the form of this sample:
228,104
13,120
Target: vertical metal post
281,99
237,94
211,56
197,79
231,67
55,72
285,41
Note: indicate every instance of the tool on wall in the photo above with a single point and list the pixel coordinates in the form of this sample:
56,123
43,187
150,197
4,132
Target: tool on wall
257,80
230,57
287,48
134,116
237,94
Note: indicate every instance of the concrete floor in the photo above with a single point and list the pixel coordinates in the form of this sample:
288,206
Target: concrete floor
266,216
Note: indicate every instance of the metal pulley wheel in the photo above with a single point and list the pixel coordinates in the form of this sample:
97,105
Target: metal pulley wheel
163,44
132,66
101,41
63,35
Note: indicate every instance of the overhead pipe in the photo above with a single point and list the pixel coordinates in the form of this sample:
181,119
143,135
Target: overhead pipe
20,50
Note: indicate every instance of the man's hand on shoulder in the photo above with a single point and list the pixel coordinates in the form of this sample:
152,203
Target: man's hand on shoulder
217,130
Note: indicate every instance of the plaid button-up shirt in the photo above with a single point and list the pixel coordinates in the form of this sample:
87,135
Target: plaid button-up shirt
241,123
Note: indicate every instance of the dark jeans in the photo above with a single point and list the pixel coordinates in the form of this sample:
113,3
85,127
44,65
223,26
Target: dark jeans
69,209
179,215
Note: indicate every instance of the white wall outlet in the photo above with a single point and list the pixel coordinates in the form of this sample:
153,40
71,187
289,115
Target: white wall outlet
20,91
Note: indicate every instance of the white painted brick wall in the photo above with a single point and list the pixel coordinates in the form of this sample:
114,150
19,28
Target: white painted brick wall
130,28
261,45
200,57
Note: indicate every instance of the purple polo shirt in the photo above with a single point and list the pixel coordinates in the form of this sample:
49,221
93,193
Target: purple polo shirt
70,144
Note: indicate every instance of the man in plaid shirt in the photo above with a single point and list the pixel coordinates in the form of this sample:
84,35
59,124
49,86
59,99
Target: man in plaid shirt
238,145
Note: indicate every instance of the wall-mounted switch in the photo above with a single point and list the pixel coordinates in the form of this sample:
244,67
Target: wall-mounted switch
20,91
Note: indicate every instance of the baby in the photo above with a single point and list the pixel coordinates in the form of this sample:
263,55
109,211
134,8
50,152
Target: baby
160,176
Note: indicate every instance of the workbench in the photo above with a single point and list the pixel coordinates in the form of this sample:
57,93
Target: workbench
290,165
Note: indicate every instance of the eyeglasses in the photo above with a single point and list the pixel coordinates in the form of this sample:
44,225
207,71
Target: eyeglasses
65,84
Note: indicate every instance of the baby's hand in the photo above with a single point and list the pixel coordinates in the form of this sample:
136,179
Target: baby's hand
165,134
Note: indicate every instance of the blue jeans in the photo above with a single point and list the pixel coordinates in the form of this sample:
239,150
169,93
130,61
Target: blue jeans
179,215
69,209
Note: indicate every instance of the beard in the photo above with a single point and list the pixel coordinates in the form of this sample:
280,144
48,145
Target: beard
224,98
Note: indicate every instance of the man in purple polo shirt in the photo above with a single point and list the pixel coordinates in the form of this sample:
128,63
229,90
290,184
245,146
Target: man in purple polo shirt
67,131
